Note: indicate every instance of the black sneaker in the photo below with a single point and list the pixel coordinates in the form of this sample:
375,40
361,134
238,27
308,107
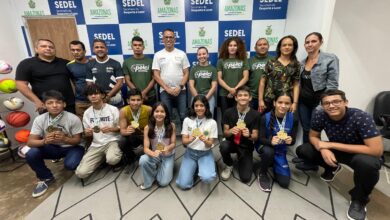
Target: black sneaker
329,175
357,210
264,182
306,166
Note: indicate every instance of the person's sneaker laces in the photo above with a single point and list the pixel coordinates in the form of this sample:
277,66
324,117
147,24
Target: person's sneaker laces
356,211
41,187
329,175
264,182
227,172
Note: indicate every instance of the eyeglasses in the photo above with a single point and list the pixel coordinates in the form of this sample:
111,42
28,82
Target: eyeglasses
336,103
169,37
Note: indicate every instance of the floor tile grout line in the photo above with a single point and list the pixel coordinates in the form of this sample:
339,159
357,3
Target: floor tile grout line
331,201
124,214
181,202
117,196
84,198
310,201
58,201
201,204
242,199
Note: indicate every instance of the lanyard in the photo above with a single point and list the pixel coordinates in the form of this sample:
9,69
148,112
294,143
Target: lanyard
159,133
241,116
97,115
198,122
136,116
283,124
56,119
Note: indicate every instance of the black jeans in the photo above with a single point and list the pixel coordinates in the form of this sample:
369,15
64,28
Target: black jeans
127,144
366,168
267,159
245,158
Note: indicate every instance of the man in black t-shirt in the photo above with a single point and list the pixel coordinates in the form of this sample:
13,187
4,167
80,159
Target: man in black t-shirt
240,128
107,73
44,72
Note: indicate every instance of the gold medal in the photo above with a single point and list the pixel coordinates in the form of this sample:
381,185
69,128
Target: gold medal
50,129
96,129
134,124
241,124
282,135
196,132
160,146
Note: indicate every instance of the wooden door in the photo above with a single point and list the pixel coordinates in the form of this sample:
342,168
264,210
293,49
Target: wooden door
59,29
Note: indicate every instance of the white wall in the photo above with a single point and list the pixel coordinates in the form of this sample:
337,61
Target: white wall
360,38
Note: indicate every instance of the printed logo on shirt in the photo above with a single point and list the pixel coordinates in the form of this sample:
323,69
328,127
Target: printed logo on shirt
204,74
233,65
101,119
139,68
109,69
257,66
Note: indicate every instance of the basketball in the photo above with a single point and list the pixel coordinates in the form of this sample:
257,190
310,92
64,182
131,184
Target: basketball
18,119
5,67
2,125
13,103
22,136
8,86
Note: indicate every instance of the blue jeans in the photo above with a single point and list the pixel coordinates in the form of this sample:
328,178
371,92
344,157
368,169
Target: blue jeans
191,160
305,114
180,101
160,168
36,155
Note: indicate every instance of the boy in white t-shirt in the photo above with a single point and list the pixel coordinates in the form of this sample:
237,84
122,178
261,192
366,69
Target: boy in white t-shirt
101,122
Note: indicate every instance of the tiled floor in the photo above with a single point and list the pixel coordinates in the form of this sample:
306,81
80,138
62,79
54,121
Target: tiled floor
108,195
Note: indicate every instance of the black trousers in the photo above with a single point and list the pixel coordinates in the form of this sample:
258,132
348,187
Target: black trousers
245,158
267,159
366,168
127,144
226,103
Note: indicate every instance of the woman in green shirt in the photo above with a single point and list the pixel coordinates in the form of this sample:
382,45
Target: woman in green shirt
233,70
203,78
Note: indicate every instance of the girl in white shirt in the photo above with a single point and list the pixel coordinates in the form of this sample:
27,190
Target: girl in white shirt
198,134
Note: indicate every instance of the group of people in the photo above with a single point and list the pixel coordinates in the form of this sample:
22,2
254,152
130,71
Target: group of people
260,100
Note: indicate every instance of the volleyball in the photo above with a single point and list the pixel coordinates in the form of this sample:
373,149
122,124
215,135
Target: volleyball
13,103
8,86
2,126
5,67
18,119
22,136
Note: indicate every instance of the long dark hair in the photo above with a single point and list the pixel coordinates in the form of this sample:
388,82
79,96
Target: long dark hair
241,51
293,56
273,118
167,121
191,111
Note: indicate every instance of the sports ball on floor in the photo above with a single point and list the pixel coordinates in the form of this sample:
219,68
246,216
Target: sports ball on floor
18,119
2,125
13,103
22,136
8,86
4,144
5,67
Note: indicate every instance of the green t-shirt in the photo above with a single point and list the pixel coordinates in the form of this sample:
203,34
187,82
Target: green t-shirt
232,72
257,65
140,72
203,77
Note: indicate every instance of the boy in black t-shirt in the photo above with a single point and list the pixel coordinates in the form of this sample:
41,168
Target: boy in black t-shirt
240,128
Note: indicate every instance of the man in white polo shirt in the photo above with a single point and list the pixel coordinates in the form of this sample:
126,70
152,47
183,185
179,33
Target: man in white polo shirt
170,69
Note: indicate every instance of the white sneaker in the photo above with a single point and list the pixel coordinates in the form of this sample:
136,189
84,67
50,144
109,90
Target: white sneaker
226,173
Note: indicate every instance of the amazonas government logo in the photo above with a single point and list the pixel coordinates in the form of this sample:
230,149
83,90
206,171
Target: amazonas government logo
272,40
99,3
202,40
31,4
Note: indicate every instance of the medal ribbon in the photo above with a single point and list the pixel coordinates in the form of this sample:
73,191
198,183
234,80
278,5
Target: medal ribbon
56,119
241,117
136,116
283,124
159,133
198,122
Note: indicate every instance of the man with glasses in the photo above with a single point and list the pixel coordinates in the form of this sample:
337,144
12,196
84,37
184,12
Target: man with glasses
353,140
170,69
